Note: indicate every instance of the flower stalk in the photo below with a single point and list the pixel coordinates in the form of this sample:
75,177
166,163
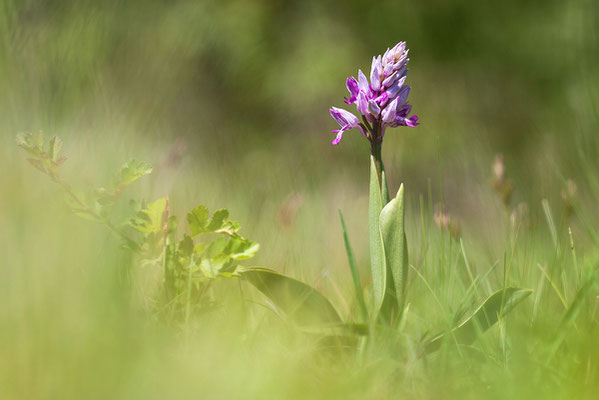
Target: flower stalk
382,103
376,149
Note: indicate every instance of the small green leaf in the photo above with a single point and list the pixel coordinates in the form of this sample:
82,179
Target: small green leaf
485,316
199,223
299,301
240,248
38,164
186,246
32,143
104,197
22,140
392,225
130,172
377,256
217,247
151,218
218,220
76,200
197,220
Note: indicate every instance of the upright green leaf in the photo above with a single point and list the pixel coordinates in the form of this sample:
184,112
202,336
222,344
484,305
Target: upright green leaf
377,256
384,188
392,225
300,302
485,316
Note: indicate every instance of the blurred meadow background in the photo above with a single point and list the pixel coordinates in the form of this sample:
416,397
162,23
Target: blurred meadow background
228,100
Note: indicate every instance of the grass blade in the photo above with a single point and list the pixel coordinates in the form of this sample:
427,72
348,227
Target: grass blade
569,317
551,224
485,316
354,270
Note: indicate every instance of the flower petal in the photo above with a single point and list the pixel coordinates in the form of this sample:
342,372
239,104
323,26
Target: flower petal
362,104
389,112
403,94
375,73
394,89
344,118
363,82
412,121
338,137
352,87
374,108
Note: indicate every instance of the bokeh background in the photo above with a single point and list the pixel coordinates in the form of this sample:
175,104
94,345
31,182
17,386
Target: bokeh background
229,101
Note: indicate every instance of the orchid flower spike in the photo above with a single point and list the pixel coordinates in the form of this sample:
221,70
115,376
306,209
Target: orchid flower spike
382,102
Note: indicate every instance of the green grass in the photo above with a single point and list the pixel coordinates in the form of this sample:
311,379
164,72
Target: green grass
73,327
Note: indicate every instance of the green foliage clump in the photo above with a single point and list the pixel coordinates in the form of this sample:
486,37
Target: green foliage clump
212,249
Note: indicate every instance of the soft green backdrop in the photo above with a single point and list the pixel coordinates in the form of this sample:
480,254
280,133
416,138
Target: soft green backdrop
229,100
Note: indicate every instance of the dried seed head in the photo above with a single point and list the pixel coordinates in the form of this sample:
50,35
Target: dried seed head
500,184
499,168
445,221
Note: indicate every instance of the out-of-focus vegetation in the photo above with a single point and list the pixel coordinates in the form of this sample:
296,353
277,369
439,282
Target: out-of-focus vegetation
228,100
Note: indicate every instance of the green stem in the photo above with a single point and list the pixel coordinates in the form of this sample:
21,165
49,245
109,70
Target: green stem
375,152
376,147
85,208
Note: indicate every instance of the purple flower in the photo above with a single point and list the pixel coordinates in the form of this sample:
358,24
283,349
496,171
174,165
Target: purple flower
382,102
352,87
346,121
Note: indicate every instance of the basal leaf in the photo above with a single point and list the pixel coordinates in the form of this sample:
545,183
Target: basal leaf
384,188
485,316
377,257
298,301
392,225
